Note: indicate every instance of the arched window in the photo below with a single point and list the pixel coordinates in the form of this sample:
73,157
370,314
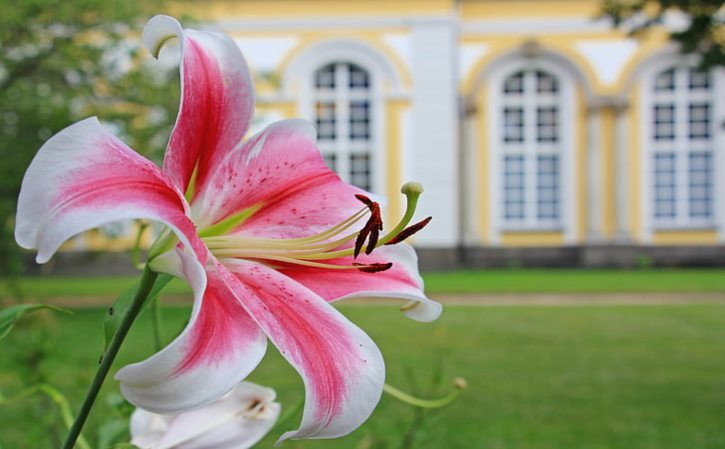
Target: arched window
680,136
343,109
530,149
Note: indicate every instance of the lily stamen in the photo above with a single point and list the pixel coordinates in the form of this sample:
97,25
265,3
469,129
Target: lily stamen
372,228
373,267
410,230
368,268
314,249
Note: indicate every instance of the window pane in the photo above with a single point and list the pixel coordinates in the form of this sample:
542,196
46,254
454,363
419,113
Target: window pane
547,187
547,124
360,170
700,180
514,84
665,81
664,121
359,120
325,120
699,120
665,186
514,188
698,80
513,124
546,84
358,78
325,77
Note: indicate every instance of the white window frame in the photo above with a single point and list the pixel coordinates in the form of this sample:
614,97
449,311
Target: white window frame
307,99
682,146
566,98
343,146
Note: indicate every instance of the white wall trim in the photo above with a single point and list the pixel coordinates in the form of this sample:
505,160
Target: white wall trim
325,23
562,62
352,50
536,25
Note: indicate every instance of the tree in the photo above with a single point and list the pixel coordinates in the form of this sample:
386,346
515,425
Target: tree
62,61
704,34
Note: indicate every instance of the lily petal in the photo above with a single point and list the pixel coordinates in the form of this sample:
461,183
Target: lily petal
280,165
236,421
219,347
84,177
401,281
217,99
342,369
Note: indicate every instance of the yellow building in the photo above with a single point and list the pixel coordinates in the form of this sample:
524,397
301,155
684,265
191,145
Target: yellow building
542,134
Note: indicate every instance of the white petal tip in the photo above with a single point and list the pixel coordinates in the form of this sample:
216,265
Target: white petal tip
23,239
285,436
423,311
158,30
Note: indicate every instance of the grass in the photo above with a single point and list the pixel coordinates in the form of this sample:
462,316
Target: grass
576,281
481,281
647,377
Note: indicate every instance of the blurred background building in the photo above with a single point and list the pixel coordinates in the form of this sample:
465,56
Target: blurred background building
543,135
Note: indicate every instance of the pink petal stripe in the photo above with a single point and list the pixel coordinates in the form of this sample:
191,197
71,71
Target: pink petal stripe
219,347
342,368
84,177
402,281
221,325
282,168
217,99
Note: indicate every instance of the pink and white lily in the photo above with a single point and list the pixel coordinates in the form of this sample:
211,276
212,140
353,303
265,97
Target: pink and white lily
237,421
266,235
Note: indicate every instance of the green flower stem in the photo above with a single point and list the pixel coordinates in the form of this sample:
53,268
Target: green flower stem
136,254
423,403
157,323
144,288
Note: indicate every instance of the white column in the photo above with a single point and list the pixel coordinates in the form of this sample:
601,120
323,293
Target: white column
593,201
621,174
435,128
471,199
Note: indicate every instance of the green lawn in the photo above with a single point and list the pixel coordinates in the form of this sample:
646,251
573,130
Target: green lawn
646,377
482,281
573,280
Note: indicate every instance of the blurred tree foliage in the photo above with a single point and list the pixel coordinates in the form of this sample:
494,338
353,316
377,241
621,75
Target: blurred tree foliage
704,35
63,61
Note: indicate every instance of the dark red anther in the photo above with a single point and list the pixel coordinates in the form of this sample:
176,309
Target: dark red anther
376,225
363,199
360,240
410,230
371,229
372,267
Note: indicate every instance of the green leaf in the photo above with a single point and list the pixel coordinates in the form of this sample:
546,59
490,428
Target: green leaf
10,315
119,308
57,398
